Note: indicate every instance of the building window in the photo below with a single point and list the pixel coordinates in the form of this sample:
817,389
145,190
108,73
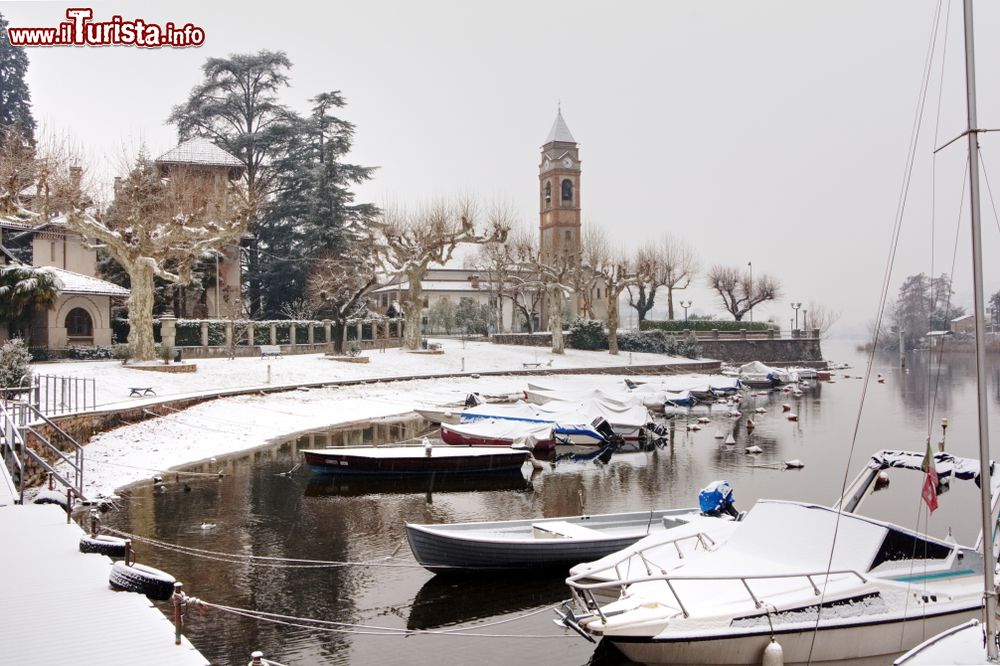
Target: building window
548,193
79,324
567,190
52,250
569,236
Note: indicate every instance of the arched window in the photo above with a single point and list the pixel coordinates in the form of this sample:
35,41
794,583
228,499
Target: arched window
548,193
567,190
79,324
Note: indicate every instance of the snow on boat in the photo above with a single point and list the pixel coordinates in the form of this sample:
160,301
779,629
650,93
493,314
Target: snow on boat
757,375
439,416
574,424
502,432
884,587
627,419
408,460
544,543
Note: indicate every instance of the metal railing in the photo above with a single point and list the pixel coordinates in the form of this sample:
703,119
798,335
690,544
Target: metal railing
584,592
54,394
18,420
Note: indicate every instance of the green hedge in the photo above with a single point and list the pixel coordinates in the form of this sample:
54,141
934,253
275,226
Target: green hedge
587,334
678,325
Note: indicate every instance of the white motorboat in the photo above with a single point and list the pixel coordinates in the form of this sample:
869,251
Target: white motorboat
828,584
758,375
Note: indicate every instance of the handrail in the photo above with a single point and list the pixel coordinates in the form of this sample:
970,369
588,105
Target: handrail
30,415
586,590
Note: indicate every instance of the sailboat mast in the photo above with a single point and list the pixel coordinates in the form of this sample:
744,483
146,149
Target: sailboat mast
985,485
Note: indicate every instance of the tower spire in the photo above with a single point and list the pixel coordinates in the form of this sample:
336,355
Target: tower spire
559,132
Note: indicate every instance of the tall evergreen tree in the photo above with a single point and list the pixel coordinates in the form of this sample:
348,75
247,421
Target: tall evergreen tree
15,99
237,107
313,213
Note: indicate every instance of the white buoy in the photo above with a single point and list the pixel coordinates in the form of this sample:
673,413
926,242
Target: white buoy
793,416
693,427
786,407
760,410
703,419
735,414
754,449
719,435
773,654
794,463
730,439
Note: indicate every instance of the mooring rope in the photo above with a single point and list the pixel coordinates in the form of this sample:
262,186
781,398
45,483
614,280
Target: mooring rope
265,560
331,626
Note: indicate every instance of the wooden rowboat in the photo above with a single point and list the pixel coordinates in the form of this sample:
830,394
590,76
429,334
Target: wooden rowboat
414,460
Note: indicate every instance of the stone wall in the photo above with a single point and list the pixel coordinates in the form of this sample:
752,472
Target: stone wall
777,351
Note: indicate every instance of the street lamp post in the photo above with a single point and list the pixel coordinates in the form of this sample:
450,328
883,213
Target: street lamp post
796,306
750,290
685,305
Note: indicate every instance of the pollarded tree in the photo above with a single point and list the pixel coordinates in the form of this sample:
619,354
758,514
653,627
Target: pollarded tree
408,243
618,273
156,223
551,274
738,293
340,284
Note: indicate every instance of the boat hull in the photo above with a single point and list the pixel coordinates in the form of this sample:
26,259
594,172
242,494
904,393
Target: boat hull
514,544
334,462
870,642
455,438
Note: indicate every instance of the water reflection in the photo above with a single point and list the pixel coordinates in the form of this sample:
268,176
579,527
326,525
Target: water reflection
328,485
257,511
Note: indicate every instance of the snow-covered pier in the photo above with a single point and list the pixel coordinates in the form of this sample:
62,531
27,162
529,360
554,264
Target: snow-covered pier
57,607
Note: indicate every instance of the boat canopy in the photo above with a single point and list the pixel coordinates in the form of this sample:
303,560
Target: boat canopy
947,465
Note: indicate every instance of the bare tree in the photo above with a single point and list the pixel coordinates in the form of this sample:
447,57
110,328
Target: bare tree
155,223
672,264
618,273
523,285
594,252
553,275
496,261
408,244
738,293
339,286
821,317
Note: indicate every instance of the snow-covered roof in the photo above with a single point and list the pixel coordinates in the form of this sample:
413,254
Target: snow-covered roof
77,283
560,132
13,223
199,151
963,318
438,285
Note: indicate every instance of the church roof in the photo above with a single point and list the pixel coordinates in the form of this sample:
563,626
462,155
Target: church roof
199,151
559,131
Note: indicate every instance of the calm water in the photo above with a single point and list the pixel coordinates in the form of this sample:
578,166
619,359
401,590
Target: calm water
257,511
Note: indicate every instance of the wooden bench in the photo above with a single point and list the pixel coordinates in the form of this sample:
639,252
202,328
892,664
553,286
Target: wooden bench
140,391
561,529
270,350
537,365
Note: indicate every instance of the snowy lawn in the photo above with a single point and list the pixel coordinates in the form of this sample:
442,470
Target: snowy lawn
231,424
219,374
228,425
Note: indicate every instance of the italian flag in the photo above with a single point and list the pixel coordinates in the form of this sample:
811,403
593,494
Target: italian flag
929,492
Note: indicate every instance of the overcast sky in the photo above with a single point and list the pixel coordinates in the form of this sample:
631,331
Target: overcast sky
765,132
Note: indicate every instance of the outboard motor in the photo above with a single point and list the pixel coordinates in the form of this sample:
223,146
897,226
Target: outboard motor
602,426
473,399
716,499
657,429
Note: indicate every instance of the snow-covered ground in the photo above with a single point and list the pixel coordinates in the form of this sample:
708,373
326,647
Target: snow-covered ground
227,425
220,374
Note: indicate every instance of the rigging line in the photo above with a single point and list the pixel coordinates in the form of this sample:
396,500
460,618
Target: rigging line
937,126
947,305
897,228
986,177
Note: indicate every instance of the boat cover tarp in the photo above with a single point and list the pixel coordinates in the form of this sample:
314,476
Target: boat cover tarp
947,465
568,423
514,431
580,413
